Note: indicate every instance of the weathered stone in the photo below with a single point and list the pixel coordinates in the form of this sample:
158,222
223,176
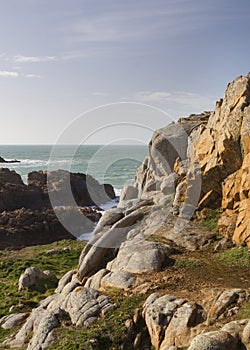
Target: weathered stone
222,302
41,322
13,321
65,280
138,256
118,279
83,305
246,334
235,327
35,278
92,257
179,330
109,218
216,340
158,312
94,281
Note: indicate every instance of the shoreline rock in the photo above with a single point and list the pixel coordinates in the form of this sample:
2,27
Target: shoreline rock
27,216
2,160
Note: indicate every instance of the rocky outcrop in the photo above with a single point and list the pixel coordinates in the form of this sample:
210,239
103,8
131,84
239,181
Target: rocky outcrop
203,162
60,187
2,160
27,216
82,305
223,154
175,322
199,162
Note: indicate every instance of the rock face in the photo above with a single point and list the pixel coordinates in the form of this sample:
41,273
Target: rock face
26,214
203,162
223,153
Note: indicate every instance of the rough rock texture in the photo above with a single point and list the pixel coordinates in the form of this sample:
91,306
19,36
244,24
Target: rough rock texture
37,279
203,162
25,227
85,189
83,305
139,256
170,320
217,340
223,301
223,153
118,279
175,322
13,320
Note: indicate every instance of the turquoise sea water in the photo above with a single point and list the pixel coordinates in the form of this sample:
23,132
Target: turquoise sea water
111,164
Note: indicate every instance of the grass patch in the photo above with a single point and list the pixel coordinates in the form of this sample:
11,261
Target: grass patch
13,264
237,256
188,263
244,310
108,332
211,220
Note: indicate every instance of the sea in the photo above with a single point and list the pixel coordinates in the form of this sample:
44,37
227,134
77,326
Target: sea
114,164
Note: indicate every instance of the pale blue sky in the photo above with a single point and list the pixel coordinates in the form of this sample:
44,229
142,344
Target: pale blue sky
59,58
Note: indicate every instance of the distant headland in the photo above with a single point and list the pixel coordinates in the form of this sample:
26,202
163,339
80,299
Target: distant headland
2,160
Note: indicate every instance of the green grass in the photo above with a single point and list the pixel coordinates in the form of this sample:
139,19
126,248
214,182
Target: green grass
211,221
244,310
108,333
237,256
13,264
188,263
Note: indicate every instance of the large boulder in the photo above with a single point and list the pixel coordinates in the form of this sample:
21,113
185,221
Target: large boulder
37,279
140,256
216,340
170,320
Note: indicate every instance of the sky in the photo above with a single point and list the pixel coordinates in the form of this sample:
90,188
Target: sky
88,70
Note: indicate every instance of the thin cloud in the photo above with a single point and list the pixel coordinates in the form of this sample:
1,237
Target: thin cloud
176,103
99,93
32,76
135,23
33,59
9,74
38,59
13,74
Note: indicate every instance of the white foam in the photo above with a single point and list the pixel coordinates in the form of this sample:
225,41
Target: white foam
85,236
